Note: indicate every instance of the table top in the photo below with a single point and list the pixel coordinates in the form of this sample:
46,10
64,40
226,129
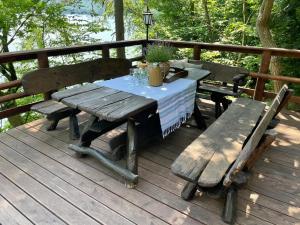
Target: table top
107,103
197,74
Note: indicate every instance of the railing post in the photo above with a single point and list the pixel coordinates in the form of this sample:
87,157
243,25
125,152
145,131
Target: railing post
43,62
260,82
197,52
144,49
105,52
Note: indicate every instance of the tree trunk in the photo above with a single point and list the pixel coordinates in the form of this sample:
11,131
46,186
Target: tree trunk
119,25
264,33
207,20
244,21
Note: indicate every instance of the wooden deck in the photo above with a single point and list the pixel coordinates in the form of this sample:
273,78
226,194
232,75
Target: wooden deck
42,182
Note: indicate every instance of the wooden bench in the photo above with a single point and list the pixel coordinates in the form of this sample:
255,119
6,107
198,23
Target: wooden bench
223,81
55,78
215,162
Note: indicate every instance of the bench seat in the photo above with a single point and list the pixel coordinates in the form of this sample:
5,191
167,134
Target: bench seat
212,153
224,90
49,107
218,161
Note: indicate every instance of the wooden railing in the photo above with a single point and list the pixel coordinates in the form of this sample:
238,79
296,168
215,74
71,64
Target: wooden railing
42,58
262,76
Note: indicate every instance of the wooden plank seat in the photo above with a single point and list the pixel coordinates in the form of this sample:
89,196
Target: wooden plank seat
215,162
223,81
55,78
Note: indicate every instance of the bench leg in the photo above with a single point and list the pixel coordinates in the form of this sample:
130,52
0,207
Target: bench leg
189,191
131,157
52,125
229,211
218,109
225,103
74,127
199,118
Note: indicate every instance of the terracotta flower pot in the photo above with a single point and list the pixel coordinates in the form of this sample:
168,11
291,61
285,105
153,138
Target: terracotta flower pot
155,75
164,67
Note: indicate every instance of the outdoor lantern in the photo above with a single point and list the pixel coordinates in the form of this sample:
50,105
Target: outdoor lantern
148,20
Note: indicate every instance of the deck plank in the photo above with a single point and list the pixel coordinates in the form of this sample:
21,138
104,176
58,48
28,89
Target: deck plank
10,215
88,205
168,198
66,211
89,187
32,209
156,208
271,196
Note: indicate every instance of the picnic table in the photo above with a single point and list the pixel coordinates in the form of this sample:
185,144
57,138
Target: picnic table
109,108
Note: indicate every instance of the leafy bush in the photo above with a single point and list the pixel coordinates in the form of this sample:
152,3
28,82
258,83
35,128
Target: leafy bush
159,53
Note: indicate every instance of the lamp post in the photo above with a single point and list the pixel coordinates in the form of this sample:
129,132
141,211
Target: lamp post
148,20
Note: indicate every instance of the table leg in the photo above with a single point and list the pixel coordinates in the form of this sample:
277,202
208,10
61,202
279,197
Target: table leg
131,157
87,135
199,118
74,127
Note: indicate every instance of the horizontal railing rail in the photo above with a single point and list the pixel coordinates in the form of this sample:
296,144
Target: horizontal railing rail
292,53
43,62
262,76
42,59
34,54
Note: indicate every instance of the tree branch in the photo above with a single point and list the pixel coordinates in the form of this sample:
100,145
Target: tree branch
17,30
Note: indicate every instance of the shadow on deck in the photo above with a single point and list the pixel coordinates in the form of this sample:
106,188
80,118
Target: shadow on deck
42,182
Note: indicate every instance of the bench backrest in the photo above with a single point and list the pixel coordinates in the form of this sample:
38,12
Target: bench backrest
54,78
277,104
220,72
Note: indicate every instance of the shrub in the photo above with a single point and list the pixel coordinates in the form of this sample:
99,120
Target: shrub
159,53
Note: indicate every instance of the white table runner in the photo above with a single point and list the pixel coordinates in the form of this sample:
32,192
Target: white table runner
175,100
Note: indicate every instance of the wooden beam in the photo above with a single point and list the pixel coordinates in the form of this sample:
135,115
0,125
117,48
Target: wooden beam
17,110
260,82
13,96
196,52
33,54
271,77
264,145
7,85
292,53
113,166
268,94
105,52
43,62
138,58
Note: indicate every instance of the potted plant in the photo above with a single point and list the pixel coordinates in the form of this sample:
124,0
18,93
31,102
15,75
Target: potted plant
158,57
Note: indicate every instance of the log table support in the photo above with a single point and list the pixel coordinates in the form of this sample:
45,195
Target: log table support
95,128
74,127
113,166
131,157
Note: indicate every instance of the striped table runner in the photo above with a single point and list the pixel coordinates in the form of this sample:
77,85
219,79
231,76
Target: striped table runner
175,100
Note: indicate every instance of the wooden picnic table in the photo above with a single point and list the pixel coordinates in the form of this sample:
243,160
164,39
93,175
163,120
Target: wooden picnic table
109,108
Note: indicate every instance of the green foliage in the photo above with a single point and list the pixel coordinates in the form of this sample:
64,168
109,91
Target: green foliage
159,53
34,24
